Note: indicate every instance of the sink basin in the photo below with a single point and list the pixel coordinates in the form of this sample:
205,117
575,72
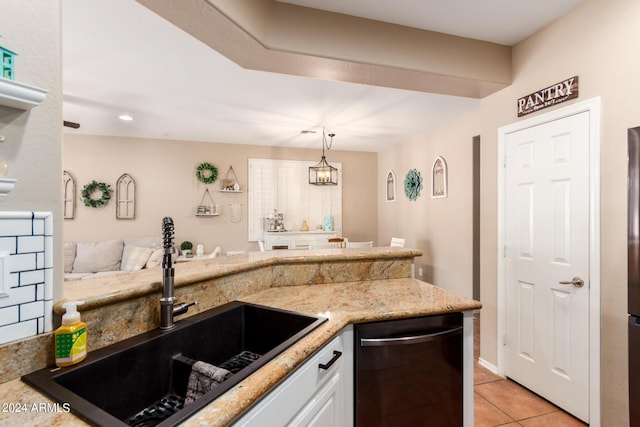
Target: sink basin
142,381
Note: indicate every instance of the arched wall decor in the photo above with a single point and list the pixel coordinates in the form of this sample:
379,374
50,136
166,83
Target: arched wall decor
439,178
391,186
125,197
69,195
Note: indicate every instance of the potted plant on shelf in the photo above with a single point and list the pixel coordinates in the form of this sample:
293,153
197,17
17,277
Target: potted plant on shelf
186,247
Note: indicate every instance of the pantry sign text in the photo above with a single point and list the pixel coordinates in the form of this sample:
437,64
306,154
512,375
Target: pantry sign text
547,97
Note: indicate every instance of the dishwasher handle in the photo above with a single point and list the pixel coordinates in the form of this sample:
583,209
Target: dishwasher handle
414,339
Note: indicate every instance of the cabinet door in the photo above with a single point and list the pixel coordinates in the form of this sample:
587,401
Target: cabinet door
326,407
298,391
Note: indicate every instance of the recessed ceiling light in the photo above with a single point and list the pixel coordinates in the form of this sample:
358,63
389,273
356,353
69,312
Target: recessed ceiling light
125,117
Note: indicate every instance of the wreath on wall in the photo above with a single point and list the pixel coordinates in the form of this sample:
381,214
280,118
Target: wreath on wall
206,173
93,187
412,184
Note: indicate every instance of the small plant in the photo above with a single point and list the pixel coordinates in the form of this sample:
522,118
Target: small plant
186,247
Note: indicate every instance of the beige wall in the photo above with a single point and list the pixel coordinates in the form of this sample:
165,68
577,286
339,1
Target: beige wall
597,42
440,228
33,138
166,186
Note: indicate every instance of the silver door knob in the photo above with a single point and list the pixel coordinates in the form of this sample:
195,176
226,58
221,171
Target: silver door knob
576,281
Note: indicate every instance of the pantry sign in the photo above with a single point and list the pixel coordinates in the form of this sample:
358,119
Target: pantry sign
547,97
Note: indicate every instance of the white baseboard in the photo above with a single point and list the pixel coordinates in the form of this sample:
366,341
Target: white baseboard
487,365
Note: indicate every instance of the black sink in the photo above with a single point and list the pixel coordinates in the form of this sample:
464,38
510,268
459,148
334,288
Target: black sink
142,380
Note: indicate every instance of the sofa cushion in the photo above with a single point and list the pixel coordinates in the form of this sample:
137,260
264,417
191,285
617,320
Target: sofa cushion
69,256
92,257
136,258
76,276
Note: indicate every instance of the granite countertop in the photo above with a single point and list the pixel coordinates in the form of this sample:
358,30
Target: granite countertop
121,286
342,303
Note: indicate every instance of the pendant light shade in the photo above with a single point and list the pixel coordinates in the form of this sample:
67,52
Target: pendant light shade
323,173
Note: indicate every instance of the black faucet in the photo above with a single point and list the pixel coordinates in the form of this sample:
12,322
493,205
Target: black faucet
168,307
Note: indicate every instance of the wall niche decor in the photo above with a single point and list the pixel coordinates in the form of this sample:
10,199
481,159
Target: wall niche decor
69,195
439,178
412,184
391,186
125,197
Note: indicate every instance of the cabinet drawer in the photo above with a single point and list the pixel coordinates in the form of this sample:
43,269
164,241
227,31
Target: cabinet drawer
283,403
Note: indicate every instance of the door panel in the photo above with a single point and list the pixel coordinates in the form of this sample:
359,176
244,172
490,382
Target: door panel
547,241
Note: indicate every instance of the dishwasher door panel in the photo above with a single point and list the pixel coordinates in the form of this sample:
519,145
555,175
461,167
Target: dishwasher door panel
409,372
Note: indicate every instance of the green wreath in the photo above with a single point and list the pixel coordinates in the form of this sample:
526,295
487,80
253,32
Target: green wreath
92,187
206,173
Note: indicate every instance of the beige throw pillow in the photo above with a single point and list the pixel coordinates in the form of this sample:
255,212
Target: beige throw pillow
155,260
69,256
92,257
137,258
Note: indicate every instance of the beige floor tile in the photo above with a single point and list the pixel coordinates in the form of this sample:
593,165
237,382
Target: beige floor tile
555,419
514,400
487,415
482,375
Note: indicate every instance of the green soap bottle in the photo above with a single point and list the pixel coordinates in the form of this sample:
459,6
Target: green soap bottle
71,337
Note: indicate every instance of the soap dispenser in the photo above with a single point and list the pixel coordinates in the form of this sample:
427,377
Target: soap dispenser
71,337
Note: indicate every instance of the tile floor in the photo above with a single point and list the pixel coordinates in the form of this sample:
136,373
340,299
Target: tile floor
502,402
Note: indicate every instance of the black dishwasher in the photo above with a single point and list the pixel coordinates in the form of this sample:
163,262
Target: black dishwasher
409,372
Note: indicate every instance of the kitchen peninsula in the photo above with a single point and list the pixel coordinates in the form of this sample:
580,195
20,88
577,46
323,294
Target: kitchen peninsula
347,286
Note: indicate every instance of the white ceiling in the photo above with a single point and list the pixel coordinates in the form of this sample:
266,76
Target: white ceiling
118,57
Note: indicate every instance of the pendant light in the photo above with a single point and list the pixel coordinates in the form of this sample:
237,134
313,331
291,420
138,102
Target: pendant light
323,173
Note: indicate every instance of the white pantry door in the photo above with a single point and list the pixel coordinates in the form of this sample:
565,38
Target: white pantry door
547,242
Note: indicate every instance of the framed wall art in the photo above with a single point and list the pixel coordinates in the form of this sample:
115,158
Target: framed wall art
69,195
391,186
439,178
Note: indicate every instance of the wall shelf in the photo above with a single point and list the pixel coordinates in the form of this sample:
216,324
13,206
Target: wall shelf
7,185
230,191
207,214
19,95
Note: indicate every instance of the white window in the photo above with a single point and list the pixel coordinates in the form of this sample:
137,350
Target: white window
283,186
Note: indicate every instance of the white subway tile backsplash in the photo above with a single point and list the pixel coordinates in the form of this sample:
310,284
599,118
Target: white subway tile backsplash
48,288
16,227
22,262
9,315
8,244
28,309
18,331
32,310
38,227
48,222
19,295
31,277
48,252
48,316
28,244
14,280
40,262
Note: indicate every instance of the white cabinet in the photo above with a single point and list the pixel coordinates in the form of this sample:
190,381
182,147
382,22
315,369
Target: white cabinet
315,394
295,239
